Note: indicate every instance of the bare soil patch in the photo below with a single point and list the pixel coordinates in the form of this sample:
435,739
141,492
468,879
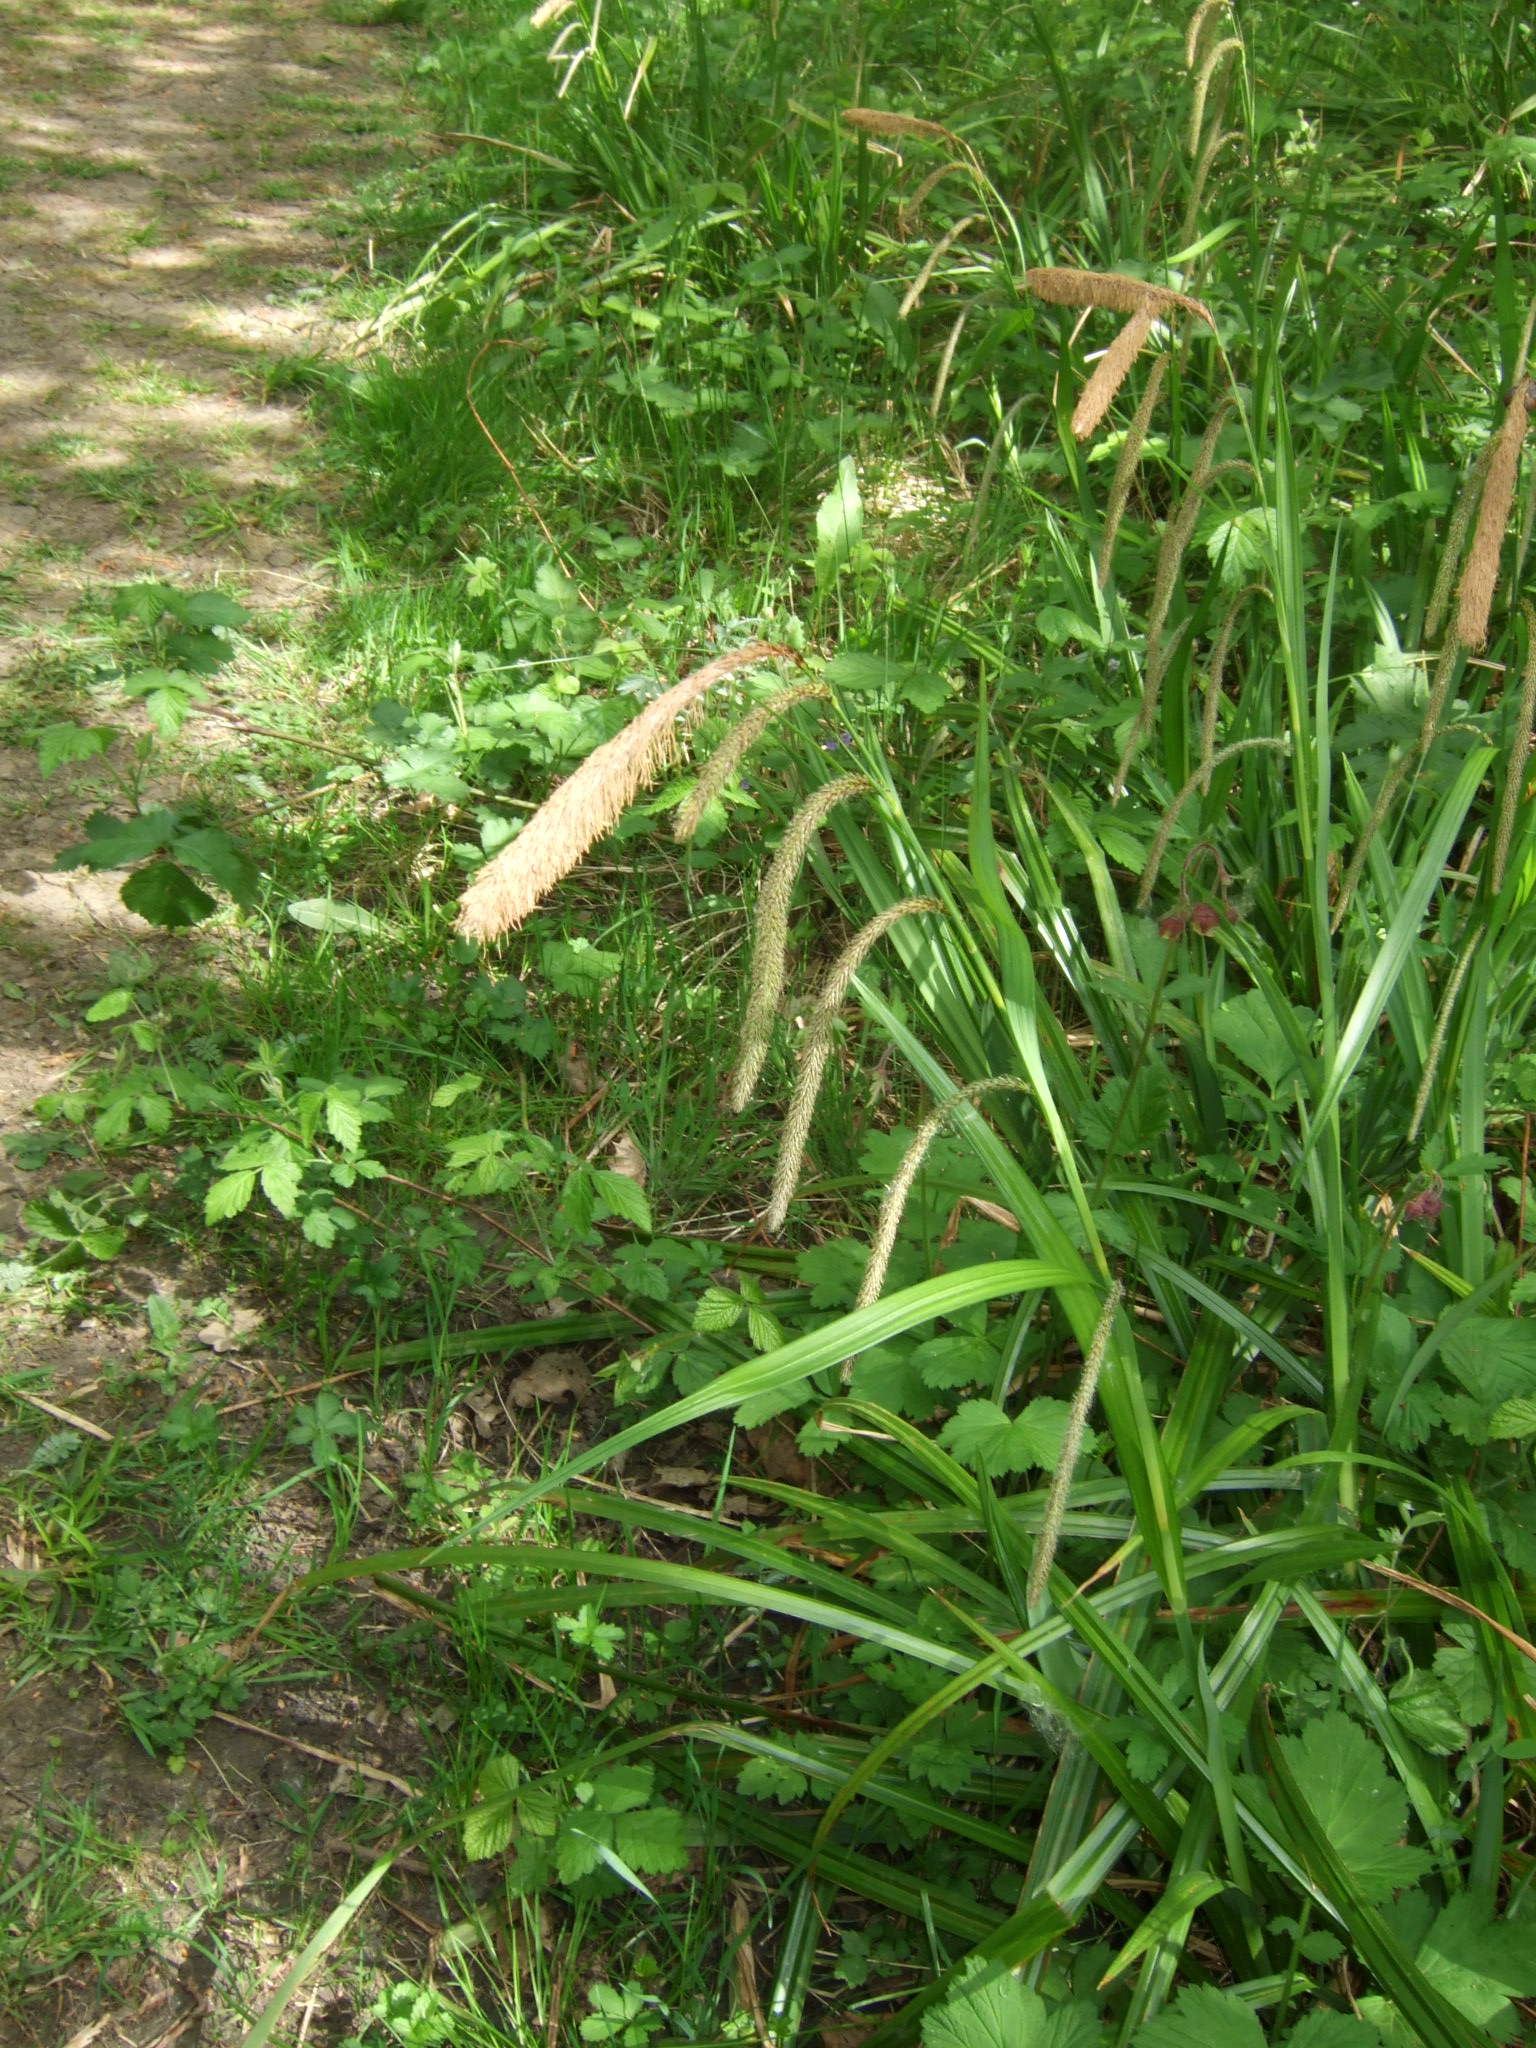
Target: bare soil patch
164,184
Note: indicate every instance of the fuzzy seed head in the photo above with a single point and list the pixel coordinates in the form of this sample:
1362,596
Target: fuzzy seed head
1126,465
766,981
1112,291
891,1209
1110,372
1071,1445
818,1048
1474,600
590,802
1519,754
715,776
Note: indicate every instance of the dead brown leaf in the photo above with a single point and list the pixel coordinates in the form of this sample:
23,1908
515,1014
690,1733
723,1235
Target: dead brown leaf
779,1455
682,1476
232,1332
552,1376
625,1156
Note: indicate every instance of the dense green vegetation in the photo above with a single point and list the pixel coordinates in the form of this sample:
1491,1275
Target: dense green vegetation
1105,1613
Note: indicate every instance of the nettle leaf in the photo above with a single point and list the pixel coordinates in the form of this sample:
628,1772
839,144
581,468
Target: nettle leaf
575,967
980,1432
618,1194
1202,2017
58,744
622,1787
1325,2029
578,1848
121,842
203,609
990,2008
165,895
228,1196
1461,1667
1513,1418
652,1840
769,1777
717,1308
213,853
887,1377
832,1271
490,1826
955,1360
1359,1807
1134,1120
1494,1359
1249,1029
1477,1962
1424,1706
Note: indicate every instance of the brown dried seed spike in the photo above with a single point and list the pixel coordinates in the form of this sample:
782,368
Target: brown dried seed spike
1110,372
1113,291
876,121
1474,600
588,803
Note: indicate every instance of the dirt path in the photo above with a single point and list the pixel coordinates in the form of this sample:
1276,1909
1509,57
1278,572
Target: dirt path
165,173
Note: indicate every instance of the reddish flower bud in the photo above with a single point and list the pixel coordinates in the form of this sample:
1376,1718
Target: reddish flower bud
1171,926
1205,917
1423,1208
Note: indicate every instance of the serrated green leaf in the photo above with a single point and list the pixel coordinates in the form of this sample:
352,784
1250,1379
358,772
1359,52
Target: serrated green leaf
1477,1962
769,1777
1362,1811
166,895
58,744
622,1787
112,1004
989,2008
717,1308
620,1195
1202,2017
228,1196
652,1840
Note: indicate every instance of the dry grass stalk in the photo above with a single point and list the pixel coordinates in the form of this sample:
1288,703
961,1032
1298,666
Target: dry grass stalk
1217,140
1436,1050
1110,372
1217,58
1177,534
888,127
1202,25
936,255
1213,680
1519,755
587,804
1125,467
732,750
946,362
1201,779
883,1242
818,1047
1455,539
1479,579
1113,292
907,210
1071,1445
765,983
